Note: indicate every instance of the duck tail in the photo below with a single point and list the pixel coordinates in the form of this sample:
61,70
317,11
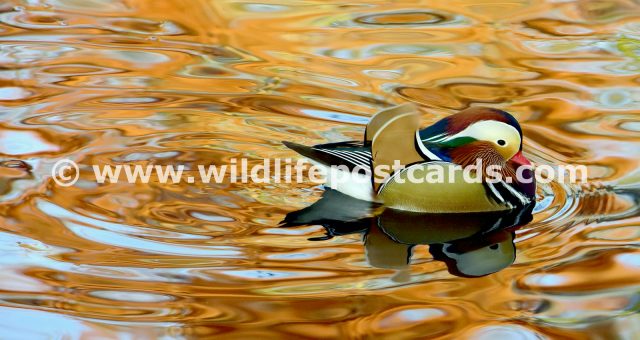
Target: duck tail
307,151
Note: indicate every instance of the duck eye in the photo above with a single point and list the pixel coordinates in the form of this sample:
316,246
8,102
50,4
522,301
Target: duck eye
501,142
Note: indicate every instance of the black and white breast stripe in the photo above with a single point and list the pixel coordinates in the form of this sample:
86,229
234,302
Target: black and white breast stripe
423,150
503,192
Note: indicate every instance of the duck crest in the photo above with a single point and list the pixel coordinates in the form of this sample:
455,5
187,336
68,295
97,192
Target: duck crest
463,119
458,122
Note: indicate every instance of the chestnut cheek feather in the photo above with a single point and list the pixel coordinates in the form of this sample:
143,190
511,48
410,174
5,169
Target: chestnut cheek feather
469,154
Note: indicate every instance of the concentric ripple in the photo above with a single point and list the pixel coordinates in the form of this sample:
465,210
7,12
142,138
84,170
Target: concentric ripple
402,18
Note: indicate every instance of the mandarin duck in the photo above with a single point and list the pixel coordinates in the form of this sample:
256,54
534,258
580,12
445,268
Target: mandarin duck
394,137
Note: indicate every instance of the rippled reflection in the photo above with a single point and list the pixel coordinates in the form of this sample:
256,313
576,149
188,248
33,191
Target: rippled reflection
472,245
204,81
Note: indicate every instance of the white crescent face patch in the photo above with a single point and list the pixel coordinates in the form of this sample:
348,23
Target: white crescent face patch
505,138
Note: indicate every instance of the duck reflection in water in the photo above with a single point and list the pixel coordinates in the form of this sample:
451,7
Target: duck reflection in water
470,244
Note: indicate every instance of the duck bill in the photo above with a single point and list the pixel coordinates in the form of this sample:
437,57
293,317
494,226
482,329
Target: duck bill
520,159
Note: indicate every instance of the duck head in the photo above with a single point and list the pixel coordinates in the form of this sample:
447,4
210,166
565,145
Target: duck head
490,134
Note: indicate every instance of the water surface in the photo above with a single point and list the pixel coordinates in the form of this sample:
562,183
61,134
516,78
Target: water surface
201,82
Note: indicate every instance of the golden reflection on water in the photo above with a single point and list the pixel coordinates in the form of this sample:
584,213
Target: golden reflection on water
201,82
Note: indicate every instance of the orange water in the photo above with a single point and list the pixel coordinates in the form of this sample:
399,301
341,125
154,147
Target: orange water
201,82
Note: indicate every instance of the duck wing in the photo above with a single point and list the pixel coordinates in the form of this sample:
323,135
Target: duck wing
382,127
380,119
351,153
393,140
